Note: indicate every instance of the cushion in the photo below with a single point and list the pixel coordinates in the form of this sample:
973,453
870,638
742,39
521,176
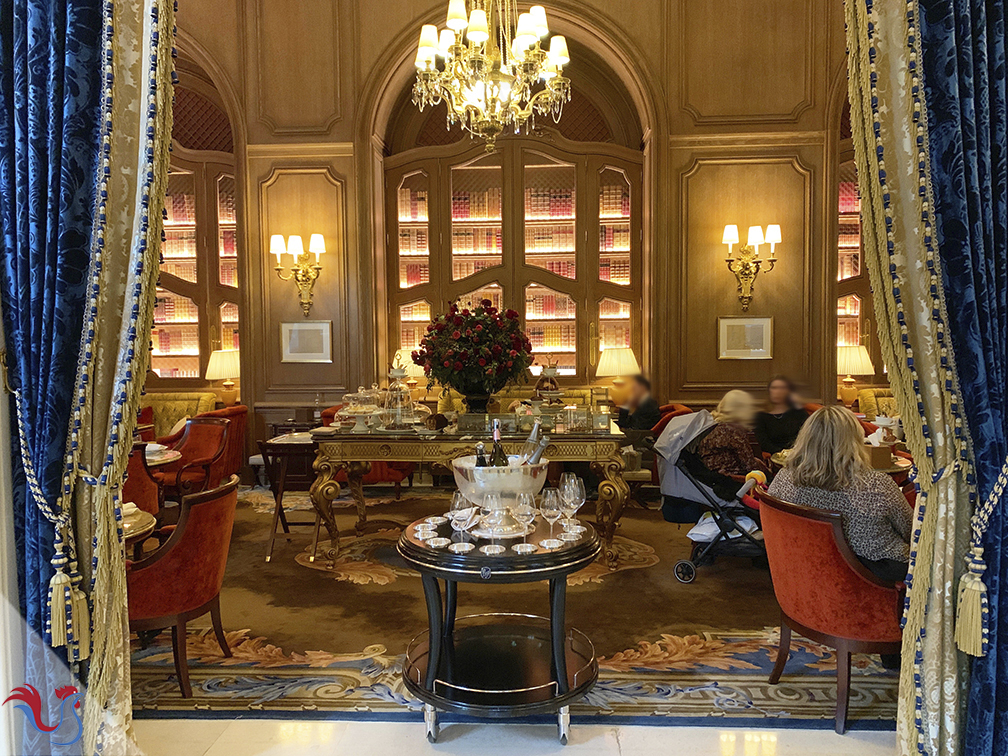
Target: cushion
179,426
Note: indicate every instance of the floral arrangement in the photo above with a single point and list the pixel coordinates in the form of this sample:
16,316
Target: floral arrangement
475,351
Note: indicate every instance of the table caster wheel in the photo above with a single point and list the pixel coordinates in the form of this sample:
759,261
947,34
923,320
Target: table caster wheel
684,571
430,722
563,724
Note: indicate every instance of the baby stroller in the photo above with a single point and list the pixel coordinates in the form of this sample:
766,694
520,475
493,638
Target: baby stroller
728,517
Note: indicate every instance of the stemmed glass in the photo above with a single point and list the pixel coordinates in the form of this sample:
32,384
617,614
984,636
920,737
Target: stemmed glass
524,511
572,496
550,509
461,520
493,515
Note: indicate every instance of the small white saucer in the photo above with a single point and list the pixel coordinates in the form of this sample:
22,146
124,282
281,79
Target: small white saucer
436,520
461,548
550,543
525,548
438,543
570,537
493,549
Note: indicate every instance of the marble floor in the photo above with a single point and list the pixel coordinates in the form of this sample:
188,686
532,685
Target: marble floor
252,737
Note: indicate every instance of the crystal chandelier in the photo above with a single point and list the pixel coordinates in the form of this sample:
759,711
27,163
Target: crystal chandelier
493,66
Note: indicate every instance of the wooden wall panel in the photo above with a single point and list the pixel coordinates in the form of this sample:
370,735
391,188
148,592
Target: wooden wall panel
746,61
297,60
297,199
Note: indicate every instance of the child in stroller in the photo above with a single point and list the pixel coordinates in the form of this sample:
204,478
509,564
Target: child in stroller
727,518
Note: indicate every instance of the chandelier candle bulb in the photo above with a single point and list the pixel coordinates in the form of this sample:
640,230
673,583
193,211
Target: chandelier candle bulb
538,15
755,237
558,50
316,245
457,19
478,31
428,40
773,238
446,42
730,237
277,247
525,34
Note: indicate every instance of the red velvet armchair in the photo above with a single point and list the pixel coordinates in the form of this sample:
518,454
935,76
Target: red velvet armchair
182,579
824,591
202,446
140,487
381,472
231,461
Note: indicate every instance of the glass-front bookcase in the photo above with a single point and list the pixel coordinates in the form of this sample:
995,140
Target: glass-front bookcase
196,305
551,229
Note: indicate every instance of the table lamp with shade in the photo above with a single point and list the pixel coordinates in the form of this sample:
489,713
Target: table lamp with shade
224,365
617,363
404,359
851,361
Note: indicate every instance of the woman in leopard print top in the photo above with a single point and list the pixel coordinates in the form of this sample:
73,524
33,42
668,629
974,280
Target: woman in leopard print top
828,469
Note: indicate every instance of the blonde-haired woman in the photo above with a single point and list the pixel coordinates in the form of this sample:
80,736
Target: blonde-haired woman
727,449
828,469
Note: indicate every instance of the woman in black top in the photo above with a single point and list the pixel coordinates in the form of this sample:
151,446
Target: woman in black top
777,427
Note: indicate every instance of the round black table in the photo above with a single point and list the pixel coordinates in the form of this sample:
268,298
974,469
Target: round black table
502,664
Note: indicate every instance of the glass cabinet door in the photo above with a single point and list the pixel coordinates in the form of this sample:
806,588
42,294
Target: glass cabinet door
550,201
229,325
849,241
414,230
175,340
227,232
178,250
414,317
494,292
476,223
614,226
551,324
614,324
849,320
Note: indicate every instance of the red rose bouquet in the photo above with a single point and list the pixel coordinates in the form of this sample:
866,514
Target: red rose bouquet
475,351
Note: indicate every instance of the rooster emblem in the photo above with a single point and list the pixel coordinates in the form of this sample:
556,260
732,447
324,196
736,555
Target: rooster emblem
32,709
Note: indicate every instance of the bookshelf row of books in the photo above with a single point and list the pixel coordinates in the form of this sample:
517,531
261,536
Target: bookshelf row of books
179,243
848,265
850,200
415,312
229,337
181,209
559,238
561,337
412,204
465,268
548,203
184,269
228,271
227,243
848,331
557,337
410,335
614,335
226,205
611,309
171,309
413,242
614,238
413,274
476,241
563,268
229,312
848,307
186,367
614,201
476,204
171,341
615,270
547,306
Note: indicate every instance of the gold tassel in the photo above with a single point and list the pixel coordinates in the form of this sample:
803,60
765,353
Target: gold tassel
60,607
969,633
81,624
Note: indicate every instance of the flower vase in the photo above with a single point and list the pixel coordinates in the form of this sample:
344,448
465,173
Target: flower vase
476,404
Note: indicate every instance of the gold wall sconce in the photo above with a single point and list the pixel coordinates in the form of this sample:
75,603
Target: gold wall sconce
747,265
303,272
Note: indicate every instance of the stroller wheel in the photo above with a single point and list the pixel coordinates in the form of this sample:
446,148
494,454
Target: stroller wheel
684,571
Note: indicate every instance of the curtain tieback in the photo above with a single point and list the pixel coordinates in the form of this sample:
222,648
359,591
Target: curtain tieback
973,612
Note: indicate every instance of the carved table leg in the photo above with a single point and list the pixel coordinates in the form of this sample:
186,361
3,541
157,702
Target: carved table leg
355,481
613,493
325,490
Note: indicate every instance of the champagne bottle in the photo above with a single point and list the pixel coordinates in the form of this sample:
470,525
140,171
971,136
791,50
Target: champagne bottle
498,457
531,443
481,460
537,454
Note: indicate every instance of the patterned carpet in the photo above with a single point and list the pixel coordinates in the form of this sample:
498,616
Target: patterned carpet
667,651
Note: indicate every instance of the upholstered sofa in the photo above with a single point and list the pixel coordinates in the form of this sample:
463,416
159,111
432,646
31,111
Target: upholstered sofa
877,401
165,409
452,401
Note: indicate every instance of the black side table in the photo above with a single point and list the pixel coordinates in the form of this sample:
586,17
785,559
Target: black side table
497,665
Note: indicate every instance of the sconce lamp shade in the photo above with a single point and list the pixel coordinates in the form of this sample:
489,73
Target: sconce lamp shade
295,247
772,235
457,20
316,244
404,357
478,30
223,365
854,360
558,50
277,246
616,362
755,236
730,235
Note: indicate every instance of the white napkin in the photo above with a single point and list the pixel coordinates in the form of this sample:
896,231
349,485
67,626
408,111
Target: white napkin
155,449
875,439
129,508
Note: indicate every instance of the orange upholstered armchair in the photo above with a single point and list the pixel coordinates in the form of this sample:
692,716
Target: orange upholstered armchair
202,446
381,472
824,591
233,458
140,487
182,579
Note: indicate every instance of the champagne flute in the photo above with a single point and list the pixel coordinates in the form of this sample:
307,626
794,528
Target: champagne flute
525,512
551,510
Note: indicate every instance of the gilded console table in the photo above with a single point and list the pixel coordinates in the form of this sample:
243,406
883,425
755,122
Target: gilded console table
340,450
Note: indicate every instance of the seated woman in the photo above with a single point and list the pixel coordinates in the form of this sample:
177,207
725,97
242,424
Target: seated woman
726,448
777,427
828,469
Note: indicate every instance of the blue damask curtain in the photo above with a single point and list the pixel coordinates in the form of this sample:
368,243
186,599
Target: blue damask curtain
963,60
50,84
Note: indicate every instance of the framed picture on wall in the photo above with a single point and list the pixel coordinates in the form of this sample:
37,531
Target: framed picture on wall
306,341
745,338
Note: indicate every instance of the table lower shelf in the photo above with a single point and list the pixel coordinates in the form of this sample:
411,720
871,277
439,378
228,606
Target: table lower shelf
499,665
